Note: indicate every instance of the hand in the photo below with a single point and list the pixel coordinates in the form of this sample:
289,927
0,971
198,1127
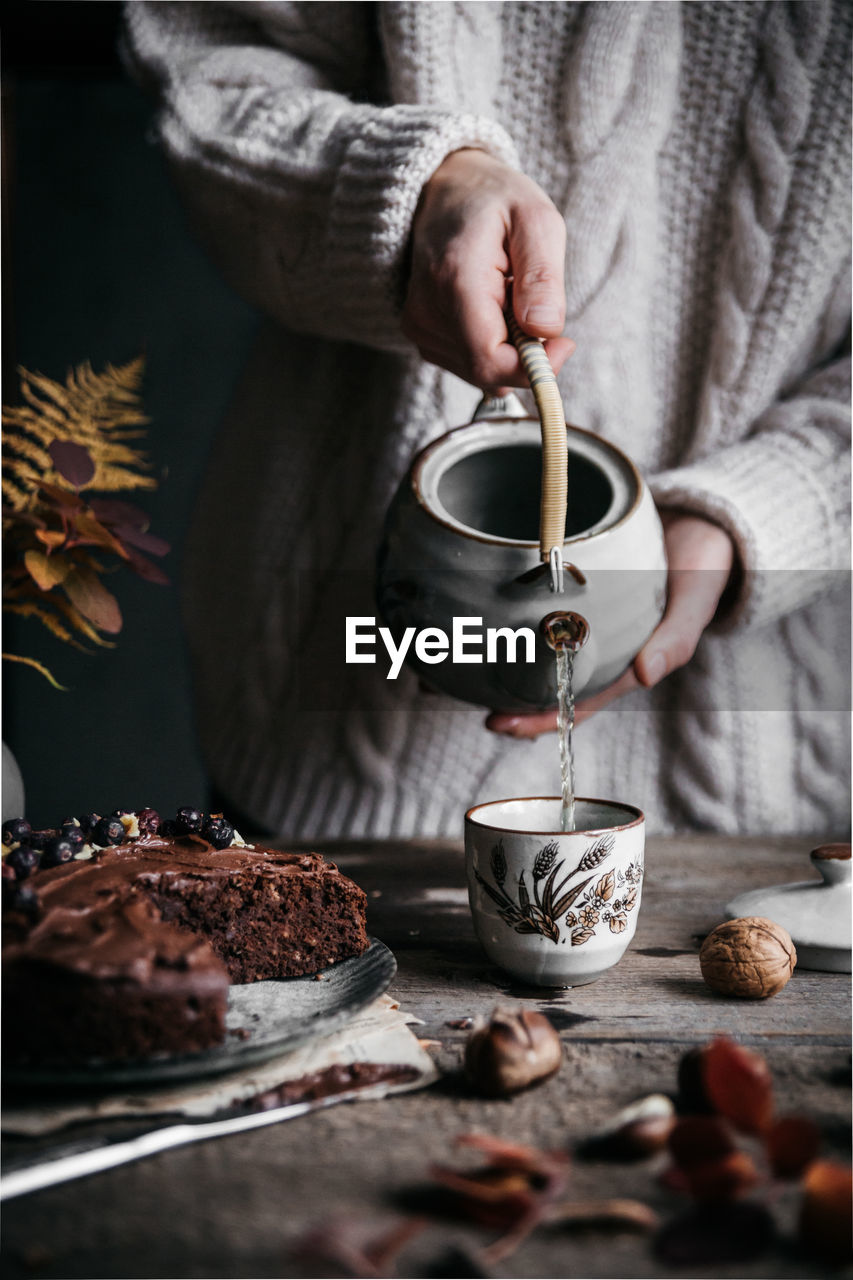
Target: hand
478,222
700,556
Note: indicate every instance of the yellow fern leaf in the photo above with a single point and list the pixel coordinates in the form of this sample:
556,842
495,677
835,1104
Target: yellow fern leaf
32,610
63,608
99,411
44,413
20,446
37,666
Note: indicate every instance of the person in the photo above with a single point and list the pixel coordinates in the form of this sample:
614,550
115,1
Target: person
668,187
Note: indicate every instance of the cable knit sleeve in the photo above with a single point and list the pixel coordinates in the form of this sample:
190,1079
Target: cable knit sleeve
783,493
302,189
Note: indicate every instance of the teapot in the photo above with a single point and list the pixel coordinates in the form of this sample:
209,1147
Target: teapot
460,547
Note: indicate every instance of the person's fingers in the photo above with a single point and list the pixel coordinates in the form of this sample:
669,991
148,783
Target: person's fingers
524,725
537,248
700,558
693,598
516,725
477,222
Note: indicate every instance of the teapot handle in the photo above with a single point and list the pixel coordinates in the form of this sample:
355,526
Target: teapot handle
555,453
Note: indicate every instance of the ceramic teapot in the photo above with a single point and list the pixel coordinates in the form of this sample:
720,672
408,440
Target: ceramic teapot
460,541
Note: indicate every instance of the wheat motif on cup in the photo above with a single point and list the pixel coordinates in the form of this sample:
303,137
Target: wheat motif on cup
551,900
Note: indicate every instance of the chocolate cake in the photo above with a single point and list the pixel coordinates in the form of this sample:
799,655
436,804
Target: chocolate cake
127,951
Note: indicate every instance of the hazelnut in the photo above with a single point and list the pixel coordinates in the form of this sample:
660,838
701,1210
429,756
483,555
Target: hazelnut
635,1132
751,957
511,1051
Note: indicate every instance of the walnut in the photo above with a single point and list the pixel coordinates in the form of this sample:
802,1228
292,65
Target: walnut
752,957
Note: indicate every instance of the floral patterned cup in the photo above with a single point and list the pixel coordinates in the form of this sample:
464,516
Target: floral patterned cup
554,908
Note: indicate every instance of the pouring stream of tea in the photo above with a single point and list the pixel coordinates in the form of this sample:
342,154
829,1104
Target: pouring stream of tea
565,632
565,727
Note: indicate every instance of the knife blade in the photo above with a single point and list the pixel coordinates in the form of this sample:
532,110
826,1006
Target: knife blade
81,1164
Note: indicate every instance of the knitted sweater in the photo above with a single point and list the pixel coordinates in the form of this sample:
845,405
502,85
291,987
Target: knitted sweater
700,153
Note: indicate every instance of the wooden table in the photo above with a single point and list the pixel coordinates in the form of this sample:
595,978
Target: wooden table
233,1208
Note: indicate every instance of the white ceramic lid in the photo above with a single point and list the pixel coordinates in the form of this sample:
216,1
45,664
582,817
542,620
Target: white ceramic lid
816,913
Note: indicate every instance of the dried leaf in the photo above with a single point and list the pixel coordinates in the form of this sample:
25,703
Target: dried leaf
513,1191
116,512
72,461
146,568
37,666
90,532
142,539
51,538
708,1166
722,1179
825,1224
62,497
615,1213
715,1234
792,1143
738,1085
696,1140
30,609
88,594
46,571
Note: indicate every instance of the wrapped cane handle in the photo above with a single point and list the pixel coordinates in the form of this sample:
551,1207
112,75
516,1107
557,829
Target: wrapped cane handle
555,454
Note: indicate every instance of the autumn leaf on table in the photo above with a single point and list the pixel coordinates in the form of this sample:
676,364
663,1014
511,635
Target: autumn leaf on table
63,448
513,1191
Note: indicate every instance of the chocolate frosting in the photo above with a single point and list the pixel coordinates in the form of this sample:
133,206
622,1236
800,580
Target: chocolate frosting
96,917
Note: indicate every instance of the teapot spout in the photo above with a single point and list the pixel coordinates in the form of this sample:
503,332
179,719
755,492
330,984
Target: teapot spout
564,629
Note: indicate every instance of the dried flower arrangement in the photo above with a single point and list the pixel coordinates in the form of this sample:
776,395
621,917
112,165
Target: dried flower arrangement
62,447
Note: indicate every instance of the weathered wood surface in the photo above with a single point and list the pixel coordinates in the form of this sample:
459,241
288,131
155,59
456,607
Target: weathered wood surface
234,1208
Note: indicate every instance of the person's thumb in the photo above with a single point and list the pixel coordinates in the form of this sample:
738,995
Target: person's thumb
537,246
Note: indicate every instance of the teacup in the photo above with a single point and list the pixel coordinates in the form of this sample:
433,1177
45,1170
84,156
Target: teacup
554,908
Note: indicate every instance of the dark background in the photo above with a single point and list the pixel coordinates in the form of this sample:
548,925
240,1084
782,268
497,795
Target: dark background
98,265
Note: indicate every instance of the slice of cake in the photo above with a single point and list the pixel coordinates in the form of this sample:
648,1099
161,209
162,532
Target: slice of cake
126,950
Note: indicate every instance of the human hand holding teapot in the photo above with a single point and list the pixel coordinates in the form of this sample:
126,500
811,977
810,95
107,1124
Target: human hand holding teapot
700,556
479,222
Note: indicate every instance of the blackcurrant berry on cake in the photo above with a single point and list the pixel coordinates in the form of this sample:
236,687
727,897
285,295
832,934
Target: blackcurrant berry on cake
218,831
188,821
16,831
71,832
57,851
23,898
88,822
38,839
148,821
23,860
108,831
